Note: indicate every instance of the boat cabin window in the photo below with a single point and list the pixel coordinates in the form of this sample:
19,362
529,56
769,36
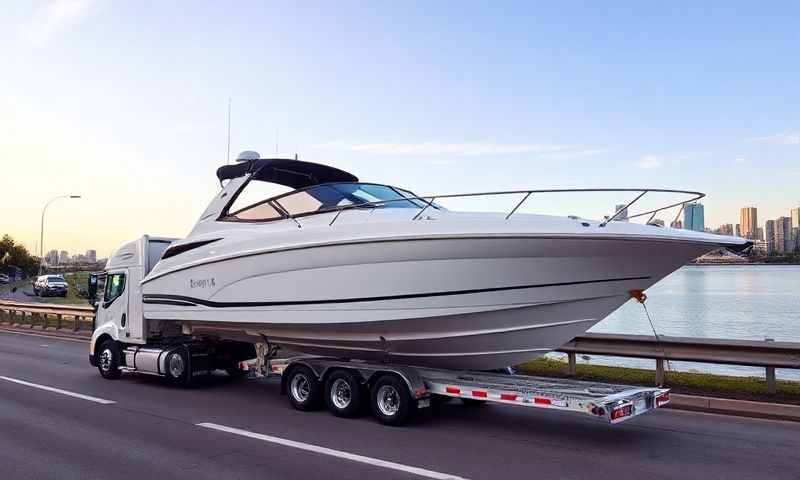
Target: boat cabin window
325,197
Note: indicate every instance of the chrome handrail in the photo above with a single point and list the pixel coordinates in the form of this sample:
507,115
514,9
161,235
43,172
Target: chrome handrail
430,199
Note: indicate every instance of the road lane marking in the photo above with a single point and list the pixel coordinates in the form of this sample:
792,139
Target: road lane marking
58,390
334,453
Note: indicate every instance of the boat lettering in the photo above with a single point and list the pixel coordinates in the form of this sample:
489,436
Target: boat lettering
202,282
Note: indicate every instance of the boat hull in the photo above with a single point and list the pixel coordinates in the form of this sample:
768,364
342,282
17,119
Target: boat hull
460,301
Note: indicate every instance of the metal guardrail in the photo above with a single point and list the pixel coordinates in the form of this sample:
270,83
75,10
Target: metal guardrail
767,354
42,315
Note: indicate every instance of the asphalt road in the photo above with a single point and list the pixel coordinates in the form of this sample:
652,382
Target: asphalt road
151,430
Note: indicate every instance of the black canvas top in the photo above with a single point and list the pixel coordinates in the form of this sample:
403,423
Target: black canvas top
291,173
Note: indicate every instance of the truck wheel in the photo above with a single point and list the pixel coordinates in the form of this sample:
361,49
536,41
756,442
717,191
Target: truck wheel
109,360
305,390
391,401
343,394
177,367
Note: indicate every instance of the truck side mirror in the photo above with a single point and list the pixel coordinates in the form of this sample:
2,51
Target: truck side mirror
91,289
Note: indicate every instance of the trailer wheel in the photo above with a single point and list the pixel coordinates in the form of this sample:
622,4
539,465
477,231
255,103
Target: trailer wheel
109,359
305,390
391,401
343,394
177,369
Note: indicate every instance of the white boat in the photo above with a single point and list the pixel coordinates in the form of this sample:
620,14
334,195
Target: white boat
364,271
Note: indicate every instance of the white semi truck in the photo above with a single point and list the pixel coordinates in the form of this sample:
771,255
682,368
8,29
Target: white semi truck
125,341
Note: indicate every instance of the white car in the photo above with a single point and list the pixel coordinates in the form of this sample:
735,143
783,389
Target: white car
50,285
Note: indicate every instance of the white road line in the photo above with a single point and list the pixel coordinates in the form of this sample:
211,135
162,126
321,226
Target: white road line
58,390
334,453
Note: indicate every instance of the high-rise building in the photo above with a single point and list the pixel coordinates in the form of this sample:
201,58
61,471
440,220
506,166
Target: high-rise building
51,257
738,232
748,218
623,212
759,233
794,214
63,257
91,256
783,235
769,234
725,229
693,217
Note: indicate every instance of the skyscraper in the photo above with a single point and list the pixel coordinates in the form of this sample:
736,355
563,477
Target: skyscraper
738,230
783,235
769,234
63,257
91,256
693,217
749,222
794,214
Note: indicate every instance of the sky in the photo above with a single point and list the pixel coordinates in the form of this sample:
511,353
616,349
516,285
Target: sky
125,103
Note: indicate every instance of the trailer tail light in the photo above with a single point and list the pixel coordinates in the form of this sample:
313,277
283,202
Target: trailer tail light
420,392
453,390
621,411
662,399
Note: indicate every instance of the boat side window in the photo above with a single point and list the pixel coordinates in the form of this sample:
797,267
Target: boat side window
261,211
252,203
115,286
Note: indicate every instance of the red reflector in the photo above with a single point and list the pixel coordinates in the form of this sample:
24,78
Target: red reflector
662,399
478,393
508,396
542,401
621,412
453,390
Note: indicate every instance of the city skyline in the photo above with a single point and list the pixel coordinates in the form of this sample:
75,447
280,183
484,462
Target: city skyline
132,115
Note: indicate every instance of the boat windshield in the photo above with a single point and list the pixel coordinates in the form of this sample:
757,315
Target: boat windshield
326,197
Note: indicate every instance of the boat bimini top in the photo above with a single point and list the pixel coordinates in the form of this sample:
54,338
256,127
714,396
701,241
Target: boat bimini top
284,171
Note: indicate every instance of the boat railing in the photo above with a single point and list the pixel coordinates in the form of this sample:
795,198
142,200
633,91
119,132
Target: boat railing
429,200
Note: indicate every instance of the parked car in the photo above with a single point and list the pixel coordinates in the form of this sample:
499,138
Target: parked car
3,279
50,285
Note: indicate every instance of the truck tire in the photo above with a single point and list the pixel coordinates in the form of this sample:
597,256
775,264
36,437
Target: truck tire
391,401
304,389
343,394
109,359
177,367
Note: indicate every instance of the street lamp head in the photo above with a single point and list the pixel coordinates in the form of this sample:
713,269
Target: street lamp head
74,196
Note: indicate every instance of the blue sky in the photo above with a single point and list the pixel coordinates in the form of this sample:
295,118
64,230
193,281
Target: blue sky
125,102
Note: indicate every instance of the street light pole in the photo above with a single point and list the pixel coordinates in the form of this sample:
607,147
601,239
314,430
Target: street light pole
41,231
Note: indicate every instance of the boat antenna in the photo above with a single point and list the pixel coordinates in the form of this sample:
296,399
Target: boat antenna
228,158
276,142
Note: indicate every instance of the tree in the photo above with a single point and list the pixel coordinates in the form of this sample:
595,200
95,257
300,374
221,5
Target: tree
12,253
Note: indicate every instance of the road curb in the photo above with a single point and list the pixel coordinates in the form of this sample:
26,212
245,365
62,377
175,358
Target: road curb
728,406
47,333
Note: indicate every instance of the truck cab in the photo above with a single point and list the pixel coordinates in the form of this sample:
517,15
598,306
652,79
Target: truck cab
119,301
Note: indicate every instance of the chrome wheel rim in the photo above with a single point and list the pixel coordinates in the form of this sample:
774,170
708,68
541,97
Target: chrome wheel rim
341,395
300,387
388,400
105,359
176,366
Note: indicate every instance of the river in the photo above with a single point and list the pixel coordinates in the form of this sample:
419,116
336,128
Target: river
748,302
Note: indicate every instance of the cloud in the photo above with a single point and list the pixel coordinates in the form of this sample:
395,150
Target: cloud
649,161
462,149
780,139
52,17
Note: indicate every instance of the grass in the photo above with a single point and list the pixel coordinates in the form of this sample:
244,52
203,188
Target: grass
742,388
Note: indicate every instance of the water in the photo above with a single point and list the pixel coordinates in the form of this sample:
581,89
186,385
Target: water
746,302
